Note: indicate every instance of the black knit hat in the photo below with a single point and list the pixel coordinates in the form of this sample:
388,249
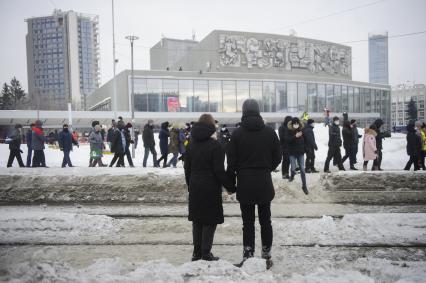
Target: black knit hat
335,118
353,121
310,121
251,107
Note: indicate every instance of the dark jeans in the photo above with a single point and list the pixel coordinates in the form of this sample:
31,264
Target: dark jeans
202,236
355,152
422,159
39,159
164,158
310,159
154,155
378,161
349,153
29,156
414,159
248,215
129,157
285,165
333,152
119,157
66,160
15,153
174,160
301,162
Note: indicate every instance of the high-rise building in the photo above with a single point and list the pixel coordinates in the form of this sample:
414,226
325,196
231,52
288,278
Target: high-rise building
378,58
62,59
401,96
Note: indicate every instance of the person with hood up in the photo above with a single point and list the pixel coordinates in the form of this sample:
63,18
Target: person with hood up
254,152
369,148
110,133
96,147
174,145
28,138
283,134
377,164
310,146
348,144
94,123
37,142
118,145
334,144
224,136
14,141
164,143
129,141
356,137
149,143
205,175
414,147
296,150
66,141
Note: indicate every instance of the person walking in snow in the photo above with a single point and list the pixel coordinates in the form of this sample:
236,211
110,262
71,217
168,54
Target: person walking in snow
414,147
110,133
369,148
14,141
327,114
254,152
118,145
224,136
348,144
96,147
129,141
28,138
423,152
356,137
164,143
296,150
205,175
310,146
66,142
94,123
149,143
377,164
174,145
334,144
283,134
37,143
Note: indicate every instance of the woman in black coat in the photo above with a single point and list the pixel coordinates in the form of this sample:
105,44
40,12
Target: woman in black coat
205,175
348,144
164,143
414,147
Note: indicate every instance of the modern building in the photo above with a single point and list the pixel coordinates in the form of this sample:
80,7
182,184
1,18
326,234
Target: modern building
168,51
401,96
62,59
286,74
378,58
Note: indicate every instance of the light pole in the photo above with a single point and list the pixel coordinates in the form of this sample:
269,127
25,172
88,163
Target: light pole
114,97
132,38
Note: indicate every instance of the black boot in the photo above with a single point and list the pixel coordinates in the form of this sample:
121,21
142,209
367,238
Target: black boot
209,257
248,252
305,189
266,254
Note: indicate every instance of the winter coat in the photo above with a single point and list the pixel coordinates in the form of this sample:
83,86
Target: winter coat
117,142
253,152
356,135
182,139
414,142
128,137
96,142
309,136
224,137
334,139
110,134
164,138
205,175
348,137
148,136
296,146
283,133
423,136
15,136
174,141
65,141
379,138
369,149
28,138
38,139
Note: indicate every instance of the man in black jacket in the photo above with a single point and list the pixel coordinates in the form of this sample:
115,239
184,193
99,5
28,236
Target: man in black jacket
414,148
348,144
296,150
14,141
356,137
377,163
118,145
334,144
254,152
149,143
310,147
283,134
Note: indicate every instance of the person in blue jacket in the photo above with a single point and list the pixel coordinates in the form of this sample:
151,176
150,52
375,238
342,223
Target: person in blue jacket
65,144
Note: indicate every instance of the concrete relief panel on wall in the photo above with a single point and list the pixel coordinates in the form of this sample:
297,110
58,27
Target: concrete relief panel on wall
285,54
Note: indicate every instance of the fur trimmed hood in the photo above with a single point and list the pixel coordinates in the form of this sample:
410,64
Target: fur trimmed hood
369,131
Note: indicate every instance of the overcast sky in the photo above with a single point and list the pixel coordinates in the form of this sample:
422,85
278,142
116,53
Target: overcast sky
150,19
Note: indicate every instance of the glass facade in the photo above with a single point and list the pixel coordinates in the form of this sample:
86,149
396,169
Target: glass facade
188,95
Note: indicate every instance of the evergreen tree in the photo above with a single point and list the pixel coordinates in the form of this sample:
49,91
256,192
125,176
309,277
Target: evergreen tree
412,110
13,95
17,91
6,99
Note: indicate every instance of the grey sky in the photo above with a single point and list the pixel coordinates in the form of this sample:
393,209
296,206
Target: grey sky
149,19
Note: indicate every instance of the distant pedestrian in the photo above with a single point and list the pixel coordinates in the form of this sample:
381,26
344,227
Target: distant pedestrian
164,143
414,147
96,147
110,133
118,145
305,117
356,137
174,145
66,142
205,175
94,123
37,143
377,164
369,148
14,140
28,138
310,146
224,136
149,143
283,134
127,133
348,144
296,150
423,137
334,144
327,114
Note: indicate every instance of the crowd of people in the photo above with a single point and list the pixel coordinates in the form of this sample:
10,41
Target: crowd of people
253,151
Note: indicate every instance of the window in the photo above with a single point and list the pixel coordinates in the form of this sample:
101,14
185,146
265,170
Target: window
330,97
186,95
292,97
302,97
269,97
281,96
256,92
337,98
312,98
345,106
215,96
170,96
229,96
201,96
321,97
243,93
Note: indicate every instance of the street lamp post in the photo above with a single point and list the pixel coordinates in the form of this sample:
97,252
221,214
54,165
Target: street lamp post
132,38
